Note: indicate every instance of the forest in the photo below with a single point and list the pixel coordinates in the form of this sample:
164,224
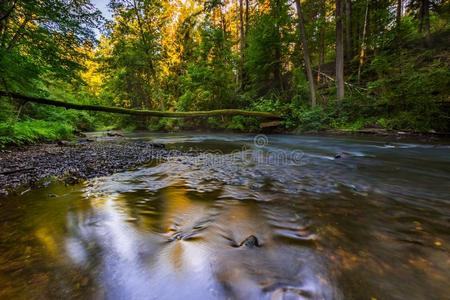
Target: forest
322,65
225,149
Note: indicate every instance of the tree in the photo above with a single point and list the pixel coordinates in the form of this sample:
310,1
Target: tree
306,55
322,31
362,52
242,43
276,12
348,30
41,40
399,12
340,50
132,63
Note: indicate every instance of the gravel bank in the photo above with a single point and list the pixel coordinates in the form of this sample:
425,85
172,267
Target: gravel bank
26,168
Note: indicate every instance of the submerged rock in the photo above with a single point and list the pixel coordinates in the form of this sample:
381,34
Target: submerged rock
158,146
341,155
250,242
112,134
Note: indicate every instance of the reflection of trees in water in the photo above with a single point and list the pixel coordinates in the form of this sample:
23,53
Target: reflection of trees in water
179,243
41,266
277,268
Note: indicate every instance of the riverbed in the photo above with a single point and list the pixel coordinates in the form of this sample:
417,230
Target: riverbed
239,217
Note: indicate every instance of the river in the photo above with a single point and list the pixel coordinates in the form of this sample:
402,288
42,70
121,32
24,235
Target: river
240,217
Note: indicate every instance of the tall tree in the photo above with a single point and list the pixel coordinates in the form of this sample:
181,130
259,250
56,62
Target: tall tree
424,18
340,84
322,28
276,8
362,52
399,12
242,43
348,30
306,55
42,39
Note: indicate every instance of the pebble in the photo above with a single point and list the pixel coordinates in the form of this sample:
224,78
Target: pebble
72,164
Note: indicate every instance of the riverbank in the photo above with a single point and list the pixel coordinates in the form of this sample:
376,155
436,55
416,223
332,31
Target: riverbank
25,168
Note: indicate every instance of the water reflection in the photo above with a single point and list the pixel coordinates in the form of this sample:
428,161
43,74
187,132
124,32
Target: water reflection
327,229
188,246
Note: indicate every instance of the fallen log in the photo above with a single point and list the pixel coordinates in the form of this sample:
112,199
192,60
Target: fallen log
152,113
269,124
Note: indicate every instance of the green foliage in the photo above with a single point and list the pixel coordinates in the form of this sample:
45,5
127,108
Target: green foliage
31,131
308,119
208,81
267,105
42,39
43,44
267,48
47,124
197,56
80,120
240,123
411,86
165,124
6,110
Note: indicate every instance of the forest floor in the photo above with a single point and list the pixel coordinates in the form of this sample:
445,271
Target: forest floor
25,168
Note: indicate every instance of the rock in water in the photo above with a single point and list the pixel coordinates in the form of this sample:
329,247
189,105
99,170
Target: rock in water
63,143
113,134
342,155
250,242
158,146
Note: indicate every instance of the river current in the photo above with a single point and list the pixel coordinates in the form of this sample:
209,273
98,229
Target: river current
240,217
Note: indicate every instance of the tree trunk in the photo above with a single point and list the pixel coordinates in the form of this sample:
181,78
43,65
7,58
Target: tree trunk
399,12
348,30
362,53
277,66
149,62
247,16
306,56
321,38
241,43
424,22
4,20
340,50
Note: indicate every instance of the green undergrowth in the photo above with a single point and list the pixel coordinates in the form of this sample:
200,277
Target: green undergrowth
40,124
32,131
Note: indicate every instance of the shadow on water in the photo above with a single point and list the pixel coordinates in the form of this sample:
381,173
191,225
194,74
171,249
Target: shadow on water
372,224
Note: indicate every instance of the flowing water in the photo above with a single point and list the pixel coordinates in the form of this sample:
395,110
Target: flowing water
240,218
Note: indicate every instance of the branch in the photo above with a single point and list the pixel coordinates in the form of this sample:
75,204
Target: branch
18,33
152,113
346,83
6,15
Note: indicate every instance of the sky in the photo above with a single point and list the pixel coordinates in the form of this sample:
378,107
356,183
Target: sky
102,5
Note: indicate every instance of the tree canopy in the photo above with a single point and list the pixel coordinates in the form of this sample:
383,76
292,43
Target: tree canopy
323,64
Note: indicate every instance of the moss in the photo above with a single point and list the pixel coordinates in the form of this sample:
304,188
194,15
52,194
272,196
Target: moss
153,113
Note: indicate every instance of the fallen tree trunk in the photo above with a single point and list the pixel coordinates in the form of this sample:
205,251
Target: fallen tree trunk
152,113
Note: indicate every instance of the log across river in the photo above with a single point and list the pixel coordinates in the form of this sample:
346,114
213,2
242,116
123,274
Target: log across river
150,113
